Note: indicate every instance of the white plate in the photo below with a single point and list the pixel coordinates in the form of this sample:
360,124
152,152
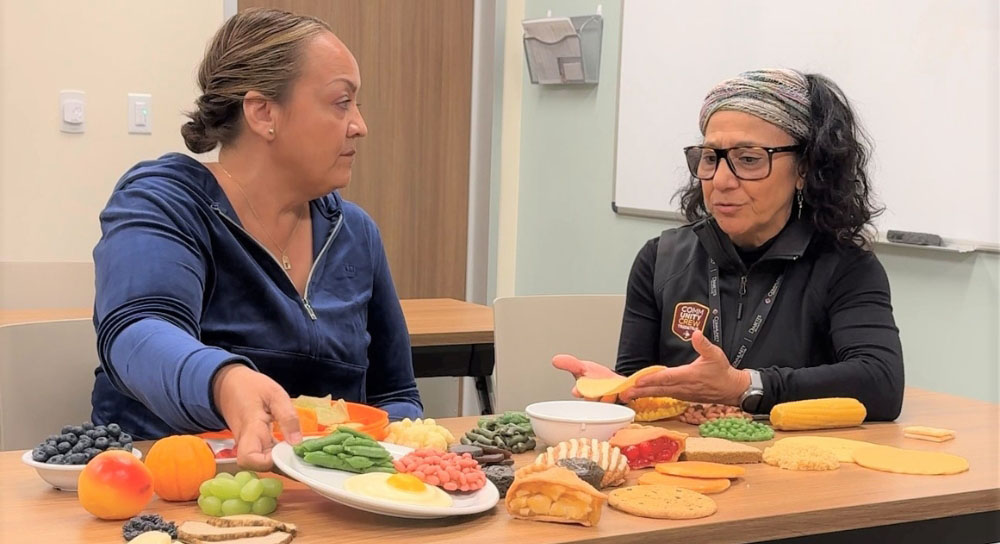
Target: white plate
330,483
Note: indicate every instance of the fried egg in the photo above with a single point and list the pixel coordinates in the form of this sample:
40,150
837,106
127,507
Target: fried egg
404,488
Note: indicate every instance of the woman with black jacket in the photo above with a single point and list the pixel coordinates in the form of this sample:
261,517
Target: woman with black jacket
771,293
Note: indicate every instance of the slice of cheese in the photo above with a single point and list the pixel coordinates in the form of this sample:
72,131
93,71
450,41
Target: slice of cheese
599,387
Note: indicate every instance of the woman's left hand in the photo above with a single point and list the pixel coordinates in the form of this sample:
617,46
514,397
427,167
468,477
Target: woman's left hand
709,378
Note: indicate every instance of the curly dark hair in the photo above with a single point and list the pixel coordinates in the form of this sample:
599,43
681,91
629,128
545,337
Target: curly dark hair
837,195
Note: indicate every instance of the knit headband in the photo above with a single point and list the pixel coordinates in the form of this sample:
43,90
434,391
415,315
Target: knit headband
778,96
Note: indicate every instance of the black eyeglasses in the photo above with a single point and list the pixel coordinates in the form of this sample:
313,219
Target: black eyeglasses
748,163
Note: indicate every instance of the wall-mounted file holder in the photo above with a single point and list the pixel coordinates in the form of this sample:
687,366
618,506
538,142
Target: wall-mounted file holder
563,50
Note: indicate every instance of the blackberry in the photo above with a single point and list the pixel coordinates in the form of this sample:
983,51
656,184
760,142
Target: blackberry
63,447
54,460
38,455
114,429
147,522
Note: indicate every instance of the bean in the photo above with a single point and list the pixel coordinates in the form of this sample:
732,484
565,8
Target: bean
357,434
355,441
359,462
443,476
333,449
451,486
369,451
317,444
432,480
322,459
377,468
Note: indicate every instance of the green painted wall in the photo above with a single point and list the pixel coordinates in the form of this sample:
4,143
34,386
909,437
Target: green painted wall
569,240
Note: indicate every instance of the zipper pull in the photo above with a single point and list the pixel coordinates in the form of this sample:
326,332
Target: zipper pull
309,309
743,291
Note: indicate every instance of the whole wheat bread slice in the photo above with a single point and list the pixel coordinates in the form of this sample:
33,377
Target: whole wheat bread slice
719,450
198,531
277,537
252,520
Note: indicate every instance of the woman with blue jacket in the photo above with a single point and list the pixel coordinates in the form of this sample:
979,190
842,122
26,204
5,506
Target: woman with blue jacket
225,288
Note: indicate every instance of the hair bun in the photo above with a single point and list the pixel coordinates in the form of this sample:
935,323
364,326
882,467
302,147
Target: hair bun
196,136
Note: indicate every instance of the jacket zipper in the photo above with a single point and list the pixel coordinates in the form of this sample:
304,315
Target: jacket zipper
743,291
329,239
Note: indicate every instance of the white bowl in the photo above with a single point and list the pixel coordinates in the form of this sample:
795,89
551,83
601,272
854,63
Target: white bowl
61,476
559,420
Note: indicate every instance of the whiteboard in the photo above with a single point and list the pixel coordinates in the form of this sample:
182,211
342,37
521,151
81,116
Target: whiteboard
921,74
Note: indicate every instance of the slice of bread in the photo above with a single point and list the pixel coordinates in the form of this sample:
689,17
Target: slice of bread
718,450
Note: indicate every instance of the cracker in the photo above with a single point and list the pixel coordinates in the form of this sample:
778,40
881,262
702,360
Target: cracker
661,502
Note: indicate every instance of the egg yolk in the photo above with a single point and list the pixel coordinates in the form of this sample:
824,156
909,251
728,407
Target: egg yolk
406,482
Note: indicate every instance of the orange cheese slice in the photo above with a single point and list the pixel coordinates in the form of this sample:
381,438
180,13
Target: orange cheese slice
707,486
599,387
700,469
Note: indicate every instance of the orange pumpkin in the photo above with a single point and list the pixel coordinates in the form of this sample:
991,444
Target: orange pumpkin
179,465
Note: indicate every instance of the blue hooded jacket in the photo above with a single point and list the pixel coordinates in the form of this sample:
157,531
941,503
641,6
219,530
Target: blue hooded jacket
183,289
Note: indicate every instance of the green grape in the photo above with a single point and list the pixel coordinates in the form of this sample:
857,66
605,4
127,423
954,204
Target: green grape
232,507
206,487
264,506
272,487
252,490
225,489
211,506
244,476
224,476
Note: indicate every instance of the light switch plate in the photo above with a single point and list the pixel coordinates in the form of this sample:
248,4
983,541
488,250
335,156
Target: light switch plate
140,113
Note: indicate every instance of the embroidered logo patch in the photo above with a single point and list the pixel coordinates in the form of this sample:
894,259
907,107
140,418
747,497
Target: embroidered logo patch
688,317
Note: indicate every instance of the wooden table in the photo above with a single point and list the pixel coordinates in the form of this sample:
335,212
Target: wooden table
448,337
769,503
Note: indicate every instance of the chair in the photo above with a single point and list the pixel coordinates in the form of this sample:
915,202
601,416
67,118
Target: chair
529,330
46,377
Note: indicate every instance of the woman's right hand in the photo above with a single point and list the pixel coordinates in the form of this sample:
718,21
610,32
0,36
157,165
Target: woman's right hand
249,402
589,369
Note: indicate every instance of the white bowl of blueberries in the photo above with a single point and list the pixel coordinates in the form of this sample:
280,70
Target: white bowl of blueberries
60,458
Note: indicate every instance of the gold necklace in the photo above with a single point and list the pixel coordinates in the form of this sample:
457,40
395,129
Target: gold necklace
285,262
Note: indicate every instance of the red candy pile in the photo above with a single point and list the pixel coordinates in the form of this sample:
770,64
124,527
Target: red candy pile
446,470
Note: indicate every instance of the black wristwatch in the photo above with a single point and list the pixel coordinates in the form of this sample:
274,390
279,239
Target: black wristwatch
750,399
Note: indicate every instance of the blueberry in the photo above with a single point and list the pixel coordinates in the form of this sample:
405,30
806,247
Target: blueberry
64,447
54,460
114,429
124,437
92,451
71,438
66,429
127,446
86,441
77,448
101,443
99,432
53,438
38,455
65,460
78,430
89,433
78,459
100,428
50,450
87,426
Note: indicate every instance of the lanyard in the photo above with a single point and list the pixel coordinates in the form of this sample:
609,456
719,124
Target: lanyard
760,313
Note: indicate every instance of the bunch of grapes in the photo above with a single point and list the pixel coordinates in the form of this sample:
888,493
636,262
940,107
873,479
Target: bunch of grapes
228,495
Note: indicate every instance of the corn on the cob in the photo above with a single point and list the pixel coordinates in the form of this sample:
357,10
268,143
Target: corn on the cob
656,408
828,413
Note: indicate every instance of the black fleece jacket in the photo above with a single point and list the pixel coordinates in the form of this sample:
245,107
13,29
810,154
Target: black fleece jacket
830,332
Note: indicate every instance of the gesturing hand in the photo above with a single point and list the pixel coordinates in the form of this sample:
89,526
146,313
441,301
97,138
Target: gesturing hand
249,402
709,378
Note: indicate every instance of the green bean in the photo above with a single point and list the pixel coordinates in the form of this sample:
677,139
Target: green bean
369,451
355,441
326,460
333,449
